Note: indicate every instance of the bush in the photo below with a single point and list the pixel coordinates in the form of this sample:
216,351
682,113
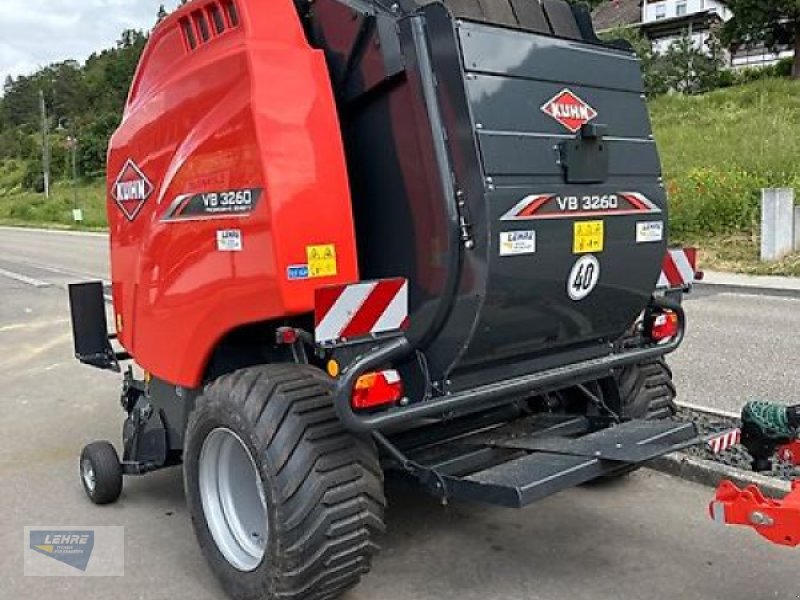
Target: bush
30,208
720,149
709,200
783,68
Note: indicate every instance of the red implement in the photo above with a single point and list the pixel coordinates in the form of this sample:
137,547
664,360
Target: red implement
790,453
776,520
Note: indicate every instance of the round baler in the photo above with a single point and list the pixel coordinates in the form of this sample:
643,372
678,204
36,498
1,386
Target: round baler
357,239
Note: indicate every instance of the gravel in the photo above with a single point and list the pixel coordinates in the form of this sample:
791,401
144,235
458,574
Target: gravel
737,457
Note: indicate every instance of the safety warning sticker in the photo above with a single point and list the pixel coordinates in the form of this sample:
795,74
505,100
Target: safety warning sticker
322,260
589,237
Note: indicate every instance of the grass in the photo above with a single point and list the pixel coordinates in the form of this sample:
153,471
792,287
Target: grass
718,150
739,252
753,128
30,209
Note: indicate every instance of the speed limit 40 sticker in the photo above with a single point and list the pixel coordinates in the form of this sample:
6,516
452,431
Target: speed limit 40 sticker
584,277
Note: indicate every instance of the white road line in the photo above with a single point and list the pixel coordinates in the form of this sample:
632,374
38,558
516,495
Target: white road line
38,283
26,354
59,270
32,325
25,279
54,231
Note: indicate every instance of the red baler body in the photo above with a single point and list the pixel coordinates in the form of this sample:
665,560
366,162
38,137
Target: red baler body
250,108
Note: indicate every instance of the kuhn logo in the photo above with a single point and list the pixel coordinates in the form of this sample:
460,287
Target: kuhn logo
131,189
569,110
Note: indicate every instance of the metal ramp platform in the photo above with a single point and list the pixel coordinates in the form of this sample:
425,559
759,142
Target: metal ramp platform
517,463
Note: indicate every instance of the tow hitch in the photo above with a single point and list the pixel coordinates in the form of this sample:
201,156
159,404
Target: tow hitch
768,431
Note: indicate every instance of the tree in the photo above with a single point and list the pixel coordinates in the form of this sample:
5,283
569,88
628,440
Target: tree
85,101
162,14
772,23
690,69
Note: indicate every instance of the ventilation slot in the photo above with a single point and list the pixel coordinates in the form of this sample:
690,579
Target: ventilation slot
209,22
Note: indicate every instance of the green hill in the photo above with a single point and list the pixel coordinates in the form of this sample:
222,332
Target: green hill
719,149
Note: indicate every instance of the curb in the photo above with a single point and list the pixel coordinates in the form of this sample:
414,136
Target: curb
709,473
714,412
712,474
718,279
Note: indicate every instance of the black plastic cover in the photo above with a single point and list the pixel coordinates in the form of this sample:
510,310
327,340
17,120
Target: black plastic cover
445,129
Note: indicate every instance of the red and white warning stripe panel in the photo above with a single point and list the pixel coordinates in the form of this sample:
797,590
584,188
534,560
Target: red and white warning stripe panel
351,311
679,268
724,441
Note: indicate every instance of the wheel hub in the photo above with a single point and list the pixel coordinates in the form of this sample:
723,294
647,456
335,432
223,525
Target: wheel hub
87,472
232,495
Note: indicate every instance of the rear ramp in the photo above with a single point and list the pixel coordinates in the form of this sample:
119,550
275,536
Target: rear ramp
517,463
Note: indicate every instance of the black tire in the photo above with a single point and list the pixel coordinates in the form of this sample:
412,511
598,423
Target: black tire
323,486
103,485
647,392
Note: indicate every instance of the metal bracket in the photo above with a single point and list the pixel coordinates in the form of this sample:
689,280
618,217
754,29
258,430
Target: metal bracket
90,327
585,158
145,440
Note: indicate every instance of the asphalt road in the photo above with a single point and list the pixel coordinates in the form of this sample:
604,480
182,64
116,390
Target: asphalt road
646,538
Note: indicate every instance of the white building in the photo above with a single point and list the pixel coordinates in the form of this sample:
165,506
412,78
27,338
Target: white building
665,21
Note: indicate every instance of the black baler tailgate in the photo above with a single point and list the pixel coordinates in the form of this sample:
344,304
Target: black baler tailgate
444,131
511,78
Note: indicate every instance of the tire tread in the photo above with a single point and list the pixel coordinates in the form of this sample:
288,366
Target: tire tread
328,482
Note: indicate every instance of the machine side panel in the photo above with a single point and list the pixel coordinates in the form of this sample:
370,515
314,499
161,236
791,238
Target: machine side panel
237,152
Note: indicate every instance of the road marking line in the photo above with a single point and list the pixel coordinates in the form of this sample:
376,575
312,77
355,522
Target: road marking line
58,270
27,354
25,279
55,231
32,325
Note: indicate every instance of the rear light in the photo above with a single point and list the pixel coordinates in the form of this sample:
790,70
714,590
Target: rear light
373,390
286,336
663,325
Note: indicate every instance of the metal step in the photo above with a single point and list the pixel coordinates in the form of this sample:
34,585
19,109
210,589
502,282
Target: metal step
529,459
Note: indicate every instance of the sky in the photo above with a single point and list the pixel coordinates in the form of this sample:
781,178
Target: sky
35,33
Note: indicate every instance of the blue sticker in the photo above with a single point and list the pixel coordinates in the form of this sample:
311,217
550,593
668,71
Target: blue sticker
297,272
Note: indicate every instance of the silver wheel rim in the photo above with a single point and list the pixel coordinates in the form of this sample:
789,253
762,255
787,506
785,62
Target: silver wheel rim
233,501
87,472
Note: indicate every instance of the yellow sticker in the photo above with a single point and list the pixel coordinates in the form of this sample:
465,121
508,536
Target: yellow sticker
589,237
322,260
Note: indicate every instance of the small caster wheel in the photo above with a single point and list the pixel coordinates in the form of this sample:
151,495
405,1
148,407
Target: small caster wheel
101,473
